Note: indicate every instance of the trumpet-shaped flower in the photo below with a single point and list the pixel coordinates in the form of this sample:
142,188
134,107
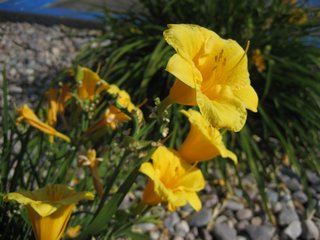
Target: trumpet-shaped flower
212,73
57,99
124,101
27,115
49,208
90,84
203,142
172,180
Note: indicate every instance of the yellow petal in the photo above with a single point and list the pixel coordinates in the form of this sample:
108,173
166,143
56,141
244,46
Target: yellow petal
222,113
170,177
203,142
51,227
183,70
186,39
28,115
194,200
47,200
183,94
248,96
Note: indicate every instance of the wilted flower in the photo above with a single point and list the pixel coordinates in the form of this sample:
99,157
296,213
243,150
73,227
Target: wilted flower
203,141
111,118
172,180
49,208
212,73
57,99
92,162
27,115
258,60
124,100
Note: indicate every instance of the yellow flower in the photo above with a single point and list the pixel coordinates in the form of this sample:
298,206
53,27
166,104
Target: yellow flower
258,60
57,99
203,141
124,101
27,115
92,161
172,180
111,118
212,73
90,84
49,208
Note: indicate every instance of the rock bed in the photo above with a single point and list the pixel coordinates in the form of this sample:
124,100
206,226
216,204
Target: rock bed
34,55
231,217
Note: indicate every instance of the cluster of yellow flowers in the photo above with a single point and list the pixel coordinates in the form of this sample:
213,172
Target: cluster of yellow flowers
88,90
211,73
50,208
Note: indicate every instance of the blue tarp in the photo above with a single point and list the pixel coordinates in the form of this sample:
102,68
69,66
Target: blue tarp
44,7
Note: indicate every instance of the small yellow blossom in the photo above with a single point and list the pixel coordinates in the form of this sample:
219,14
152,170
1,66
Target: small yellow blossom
212,73
92,161
203,141
90,84
172,180
258,60
72,232
27,115
49,208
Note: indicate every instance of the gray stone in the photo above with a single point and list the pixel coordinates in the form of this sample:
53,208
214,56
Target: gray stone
223,232
276,207
313,177
309,230
200,218
234,206
300,196
286,216
182,228
293,184
294,230
171,220
205,234
210,200
264,232
273,196
242,225
244,214
256,221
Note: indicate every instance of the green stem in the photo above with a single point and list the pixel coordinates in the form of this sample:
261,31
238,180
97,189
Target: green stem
165,103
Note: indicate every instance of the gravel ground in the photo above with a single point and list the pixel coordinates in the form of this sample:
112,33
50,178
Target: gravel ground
35,54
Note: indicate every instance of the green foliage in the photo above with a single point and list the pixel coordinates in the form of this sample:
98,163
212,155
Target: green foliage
286,79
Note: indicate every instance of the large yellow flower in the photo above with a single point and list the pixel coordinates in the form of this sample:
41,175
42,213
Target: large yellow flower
203,141
90,84
27,115
172,180
49,208
212,73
